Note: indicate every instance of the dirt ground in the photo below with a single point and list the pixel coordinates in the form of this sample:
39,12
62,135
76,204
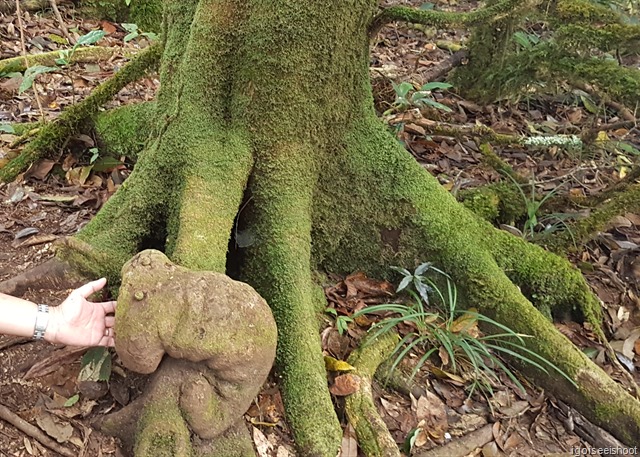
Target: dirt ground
52,201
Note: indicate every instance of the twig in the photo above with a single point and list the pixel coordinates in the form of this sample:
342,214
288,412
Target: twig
24,55
13,341
591,134
32,431
63,27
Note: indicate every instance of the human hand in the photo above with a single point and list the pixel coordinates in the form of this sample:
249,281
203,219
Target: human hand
79,322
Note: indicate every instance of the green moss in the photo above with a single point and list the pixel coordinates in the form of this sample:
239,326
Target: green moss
607,37
584,12
501,202
212,192
123,131
163,431
147,14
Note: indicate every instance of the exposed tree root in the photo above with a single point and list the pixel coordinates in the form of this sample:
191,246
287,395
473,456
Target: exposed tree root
278,265
483,261
81,55
585,229
52,136
52,274
463,445
373,436
124,131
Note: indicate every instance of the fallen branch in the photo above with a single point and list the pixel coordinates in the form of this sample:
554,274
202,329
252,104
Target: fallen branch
63,26
485,134
439,72
81,55
581,231
463,445
53,135
589,135
52,274
441,18
373,436
592,434
34,432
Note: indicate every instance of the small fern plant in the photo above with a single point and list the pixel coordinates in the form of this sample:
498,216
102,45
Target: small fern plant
440,331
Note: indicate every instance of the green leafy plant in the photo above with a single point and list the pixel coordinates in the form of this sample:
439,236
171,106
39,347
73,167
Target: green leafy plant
64,58
525,40
30,75
134,32
438,328
95,365
95,153
7,128
90,38
407,97
537,226
342,322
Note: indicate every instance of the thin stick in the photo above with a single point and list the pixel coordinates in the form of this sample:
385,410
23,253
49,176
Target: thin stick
32,431
63,27
24,55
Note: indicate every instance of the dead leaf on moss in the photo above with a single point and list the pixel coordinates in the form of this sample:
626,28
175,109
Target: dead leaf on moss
349,447
345,384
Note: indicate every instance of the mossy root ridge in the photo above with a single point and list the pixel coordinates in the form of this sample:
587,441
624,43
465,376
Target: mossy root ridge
373,435
417,220
278,266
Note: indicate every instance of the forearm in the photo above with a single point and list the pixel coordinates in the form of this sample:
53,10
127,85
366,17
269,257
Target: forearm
18,317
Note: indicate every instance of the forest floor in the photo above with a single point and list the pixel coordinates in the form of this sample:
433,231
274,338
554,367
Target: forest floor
55,198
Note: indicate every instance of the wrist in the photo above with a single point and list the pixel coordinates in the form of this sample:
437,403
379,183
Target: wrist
51,334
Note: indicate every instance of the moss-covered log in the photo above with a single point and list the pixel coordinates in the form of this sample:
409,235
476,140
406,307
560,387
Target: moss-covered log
265,119
53,135
81,55
583,230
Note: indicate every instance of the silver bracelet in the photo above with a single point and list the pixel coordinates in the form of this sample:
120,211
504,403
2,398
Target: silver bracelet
42,319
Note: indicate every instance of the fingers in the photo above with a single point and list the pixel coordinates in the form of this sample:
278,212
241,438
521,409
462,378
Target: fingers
91,287
109,322
107,341
108,306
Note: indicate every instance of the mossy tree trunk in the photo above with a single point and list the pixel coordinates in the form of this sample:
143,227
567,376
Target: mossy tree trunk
270,104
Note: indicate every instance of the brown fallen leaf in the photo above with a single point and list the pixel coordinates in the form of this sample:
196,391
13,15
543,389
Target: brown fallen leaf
345,384
39,170
58,429
349,446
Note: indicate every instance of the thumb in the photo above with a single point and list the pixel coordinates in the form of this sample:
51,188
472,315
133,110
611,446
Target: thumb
91,287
